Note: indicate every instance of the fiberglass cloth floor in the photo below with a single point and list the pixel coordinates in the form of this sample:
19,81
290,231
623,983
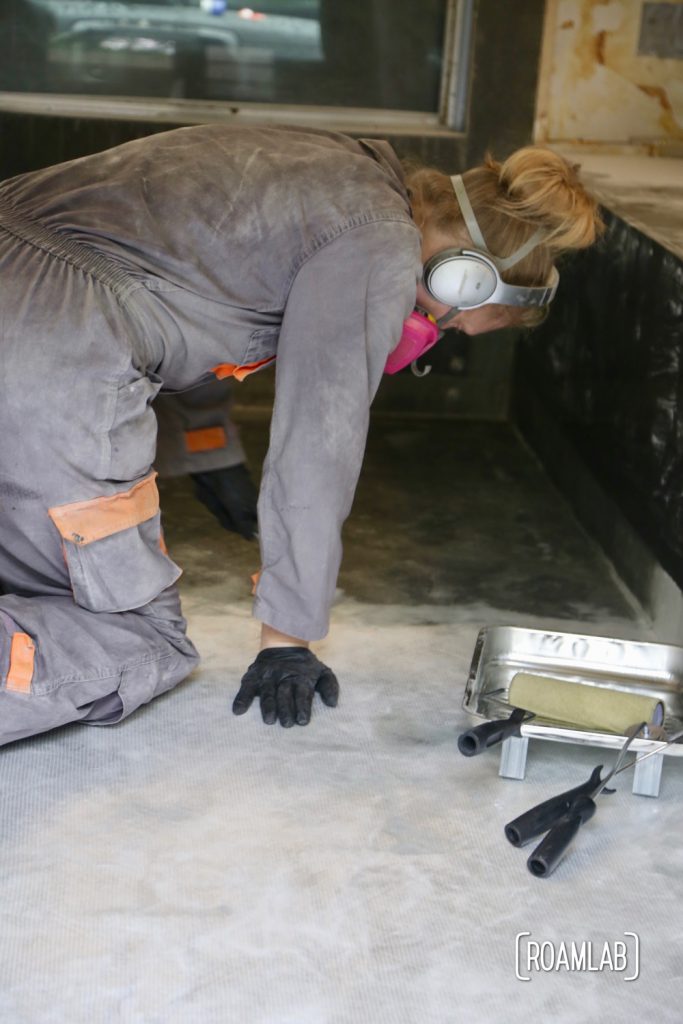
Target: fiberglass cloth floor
190,867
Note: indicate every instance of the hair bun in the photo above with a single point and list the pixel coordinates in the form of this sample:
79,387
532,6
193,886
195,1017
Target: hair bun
541,185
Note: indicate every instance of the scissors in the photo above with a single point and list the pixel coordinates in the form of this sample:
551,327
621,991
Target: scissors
562,816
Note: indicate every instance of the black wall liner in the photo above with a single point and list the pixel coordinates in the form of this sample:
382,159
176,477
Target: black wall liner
608,368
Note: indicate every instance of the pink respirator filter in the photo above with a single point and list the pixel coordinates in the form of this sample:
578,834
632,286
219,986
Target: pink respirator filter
420,333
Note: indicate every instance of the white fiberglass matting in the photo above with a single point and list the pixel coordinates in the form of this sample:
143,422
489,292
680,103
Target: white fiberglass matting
189,866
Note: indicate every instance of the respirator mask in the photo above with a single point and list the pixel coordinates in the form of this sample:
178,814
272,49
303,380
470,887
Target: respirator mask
465,279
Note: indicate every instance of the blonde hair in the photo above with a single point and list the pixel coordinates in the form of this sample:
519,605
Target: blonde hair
534,188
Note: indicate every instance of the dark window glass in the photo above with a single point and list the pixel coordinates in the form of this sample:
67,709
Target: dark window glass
359,53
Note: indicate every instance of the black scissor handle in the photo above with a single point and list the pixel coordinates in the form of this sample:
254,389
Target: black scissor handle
552,848
543,816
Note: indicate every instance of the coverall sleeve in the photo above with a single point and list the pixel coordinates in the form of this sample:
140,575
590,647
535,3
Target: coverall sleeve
195,430
343,316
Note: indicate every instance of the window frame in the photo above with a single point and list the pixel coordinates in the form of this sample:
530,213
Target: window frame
450,118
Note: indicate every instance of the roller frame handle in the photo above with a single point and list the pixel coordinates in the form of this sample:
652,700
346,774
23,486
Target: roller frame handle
544,816
481,737
553,847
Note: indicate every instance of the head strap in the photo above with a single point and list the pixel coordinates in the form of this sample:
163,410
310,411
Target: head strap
503,263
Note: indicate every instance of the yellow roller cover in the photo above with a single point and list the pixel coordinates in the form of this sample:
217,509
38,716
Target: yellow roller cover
591,707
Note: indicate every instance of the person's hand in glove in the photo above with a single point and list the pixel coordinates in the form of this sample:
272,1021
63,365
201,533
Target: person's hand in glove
231,496
286,679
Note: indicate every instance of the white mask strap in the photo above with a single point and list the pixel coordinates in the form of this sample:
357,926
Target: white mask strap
468,212
503,263
524,250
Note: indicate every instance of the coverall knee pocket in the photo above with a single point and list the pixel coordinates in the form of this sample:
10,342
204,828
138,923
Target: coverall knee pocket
114,549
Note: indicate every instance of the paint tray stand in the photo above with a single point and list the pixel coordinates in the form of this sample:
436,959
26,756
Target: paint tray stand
647,775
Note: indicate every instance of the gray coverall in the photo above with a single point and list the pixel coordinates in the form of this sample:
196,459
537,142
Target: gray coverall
163,263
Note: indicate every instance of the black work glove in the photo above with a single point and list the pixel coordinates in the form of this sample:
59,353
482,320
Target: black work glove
231,495
286,678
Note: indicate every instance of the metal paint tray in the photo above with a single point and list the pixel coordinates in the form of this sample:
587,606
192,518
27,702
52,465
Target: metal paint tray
632,665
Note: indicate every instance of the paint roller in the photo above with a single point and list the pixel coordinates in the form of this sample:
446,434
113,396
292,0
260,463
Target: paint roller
583,705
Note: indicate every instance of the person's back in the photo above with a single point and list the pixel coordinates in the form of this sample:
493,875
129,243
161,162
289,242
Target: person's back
214,223
198,206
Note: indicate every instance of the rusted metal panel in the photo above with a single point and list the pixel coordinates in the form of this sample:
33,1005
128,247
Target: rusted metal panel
597,83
